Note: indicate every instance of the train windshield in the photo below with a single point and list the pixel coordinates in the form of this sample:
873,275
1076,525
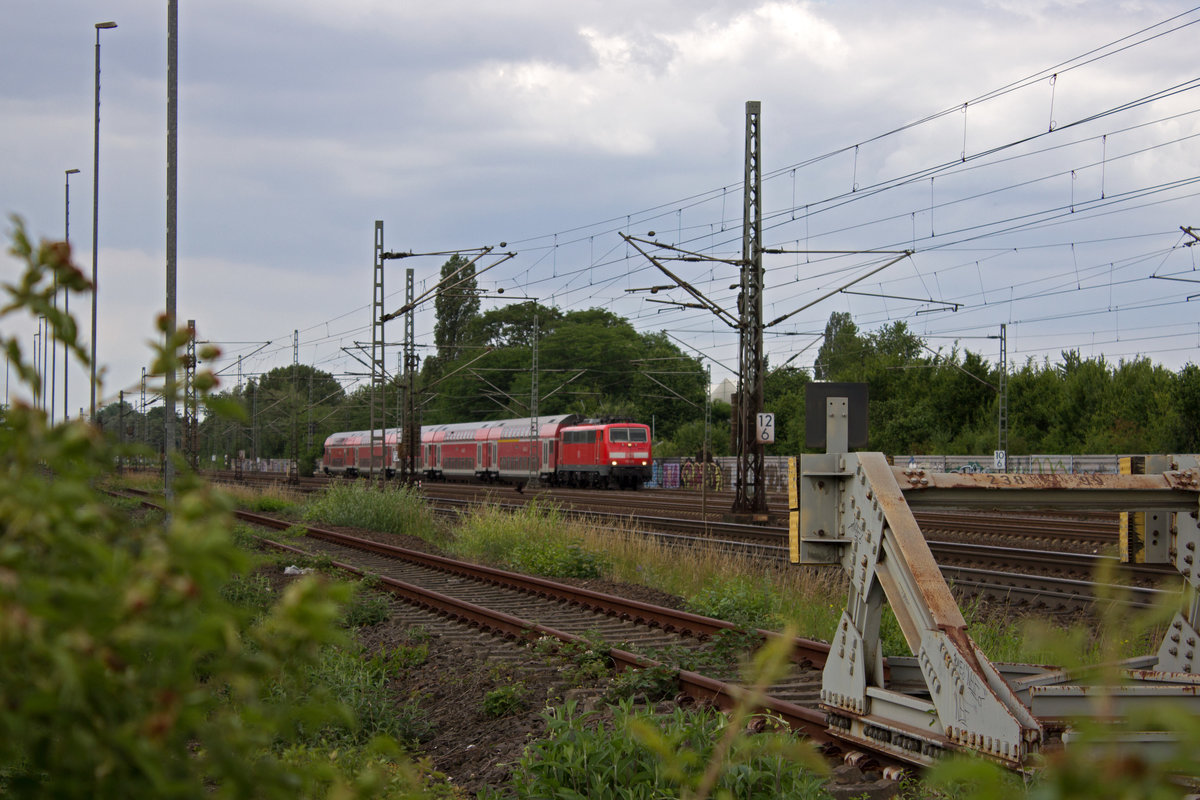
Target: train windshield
627,435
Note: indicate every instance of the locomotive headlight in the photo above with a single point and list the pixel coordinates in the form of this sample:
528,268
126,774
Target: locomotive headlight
614,463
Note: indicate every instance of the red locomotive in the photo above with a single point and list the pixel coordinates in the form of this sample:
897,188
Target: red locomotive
564,450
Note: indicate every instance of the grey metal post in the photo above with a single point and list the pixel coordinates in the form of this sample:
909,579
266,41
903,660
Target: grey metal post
378,372
121,431
190,406
172,206
533,400
37,362
704,455
46,349
294,469
1002,421
96,207
143,435
66,295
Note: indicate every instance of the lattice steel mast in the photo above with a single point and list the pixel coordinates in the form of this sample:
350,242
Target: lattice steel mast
410,433
378,373
190,405
750,495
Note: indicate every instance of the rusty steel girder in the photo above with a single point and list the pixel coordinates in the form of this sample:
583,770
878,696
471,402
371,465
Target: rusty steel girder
855,510
852,511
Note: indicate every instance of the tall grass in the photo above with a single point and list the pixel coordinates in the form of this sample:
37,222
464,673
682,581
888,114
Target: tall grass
644,755
355,504
271,499
739,588
538,540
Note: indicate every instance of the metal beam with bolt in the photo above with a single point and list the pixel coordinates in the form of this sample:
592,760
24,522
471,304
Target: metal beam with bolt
855,510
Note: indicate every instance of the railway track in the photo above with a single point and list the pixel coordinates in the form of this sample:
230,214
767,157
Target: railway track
1042,562
1077,530
510,611
1047,580
502,613
526,608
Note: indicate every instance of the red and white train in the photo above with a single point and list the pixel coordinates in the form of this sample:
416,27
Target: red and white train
565,450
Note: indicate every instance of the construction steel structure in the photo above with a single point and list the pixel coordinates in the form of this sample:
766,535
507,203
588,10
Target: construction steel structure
378,371
856,510
191,426
750,494
406,458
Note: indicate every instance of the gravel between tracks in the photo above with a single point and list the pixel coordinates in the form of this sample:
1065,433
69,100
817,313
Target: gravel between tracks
475,750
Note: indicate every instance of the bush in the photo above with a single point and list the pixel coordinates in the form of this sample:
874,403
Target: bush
127,672
738,599
505,701
643,755
536,540
399,510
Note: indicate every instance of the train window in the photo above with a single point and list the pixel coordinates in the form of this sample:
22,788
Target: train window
618,434
637,434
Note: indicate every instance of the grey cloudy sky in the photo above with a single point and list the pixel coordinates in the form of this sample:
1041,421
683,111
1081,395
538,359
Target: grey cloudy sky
1039,158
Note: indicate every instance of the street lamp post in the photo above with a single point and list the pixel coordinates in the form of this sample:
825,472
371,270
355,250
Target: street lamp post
66,297
95,206
38,400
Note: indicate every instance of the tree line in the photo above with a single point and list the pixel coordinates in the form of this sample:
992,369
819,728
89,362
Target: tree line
595,363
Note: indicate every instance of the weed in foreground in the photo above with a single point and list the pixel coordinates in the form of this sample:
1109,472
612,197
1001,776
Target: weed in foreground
367,607
127,672
505,701
647,685
641,755
394,661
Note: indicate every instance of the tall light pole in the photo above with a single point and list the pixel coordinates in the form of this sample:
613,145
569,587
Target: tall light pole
171,243
96,206
66,295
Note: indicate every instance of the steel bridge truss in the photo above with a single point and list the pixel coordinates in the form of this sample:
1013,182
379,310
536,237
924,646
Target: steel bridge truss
856,510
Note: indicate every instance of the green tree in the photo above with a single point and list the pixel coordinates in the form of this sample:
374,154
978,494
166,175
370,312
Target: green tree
666,385
280,405
456,306
841,351
1186,401
783,396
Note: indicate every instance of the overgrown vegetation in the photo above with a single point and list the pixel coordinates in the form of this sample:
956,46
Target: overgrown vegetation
583,662
690,754
398,510
140,658
642,755
505,701
143,657
537,539
267,499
